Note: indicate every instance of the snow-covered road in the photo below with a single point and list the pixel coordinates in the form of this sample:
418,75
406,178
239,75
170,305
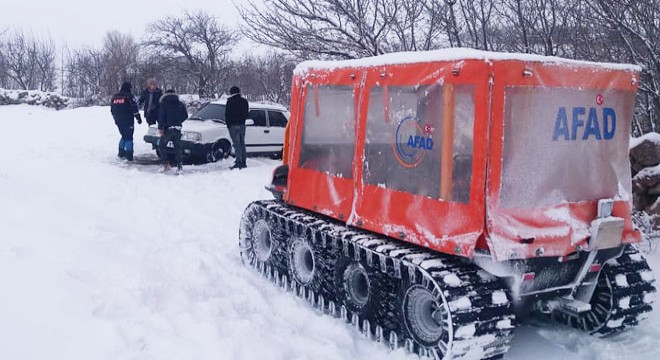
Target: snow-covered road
103,260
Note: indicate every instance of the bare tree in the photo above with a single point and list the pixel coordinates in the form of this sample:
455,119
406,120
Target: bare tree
517,20
86,70
539,26
122,52
328,28
19,60
451,23
265,77
417,25
4,83
197,45
348,29
478,17
636,24
27,62
44,53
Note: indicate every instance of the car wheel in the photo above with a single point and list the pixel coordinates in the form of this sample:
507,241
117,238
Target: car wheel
220,150
277,155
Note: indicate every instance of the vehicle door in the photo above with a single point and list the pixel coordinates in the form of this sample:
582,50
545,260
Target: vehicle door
277,124
257,137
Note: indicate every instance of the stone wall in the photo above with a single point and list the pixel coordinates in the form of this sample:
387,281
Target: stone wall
59,102
32,97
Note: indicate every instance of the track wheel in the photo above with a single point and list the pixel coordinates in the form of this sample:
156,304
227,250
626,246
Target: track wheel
302,261
260,239
623,294
426,317
357,287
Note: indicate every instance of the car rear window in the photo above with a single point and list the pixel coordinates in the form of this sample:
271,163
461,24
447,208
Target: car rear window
259,117
277,119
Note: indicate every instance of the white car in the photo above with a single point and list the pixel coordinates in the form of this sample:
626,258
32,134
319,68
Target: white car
205,135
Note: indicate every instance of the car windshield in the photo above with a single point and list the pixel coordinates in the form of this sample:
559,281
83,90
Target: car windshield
215,112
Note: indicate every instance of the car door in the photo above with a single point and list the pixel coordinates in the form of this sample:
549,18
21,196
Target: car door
277,123
257,135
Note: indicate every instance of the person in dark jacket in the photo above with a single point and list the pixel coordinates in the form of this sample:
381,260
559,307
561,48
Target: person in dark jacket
171,115
150,101
236,111
124,108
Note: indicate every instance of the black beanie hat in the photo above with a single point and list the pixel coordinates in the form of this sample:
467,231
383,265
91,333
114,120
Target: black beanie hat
126,86
234,90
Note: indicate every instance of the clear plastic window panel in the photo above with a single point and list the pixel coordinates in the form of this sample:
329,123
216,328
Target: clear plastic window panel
403,149
564,145
328,141
463,143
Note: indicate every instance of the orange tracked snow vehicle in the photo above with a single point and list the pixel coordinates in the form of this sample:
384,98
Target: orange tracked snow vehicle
428,197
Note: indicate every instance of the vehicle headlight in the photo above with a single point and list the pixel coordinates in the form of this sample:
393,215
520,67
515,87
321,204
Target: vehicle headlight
191,136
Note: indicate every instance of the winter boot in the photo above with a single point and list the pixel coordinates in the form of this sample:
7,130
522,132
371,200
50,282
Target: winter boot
164,168
121,154
179,170
129,155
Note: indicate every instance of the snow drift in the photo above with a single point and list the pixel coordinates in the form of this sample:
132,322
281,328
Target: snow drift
103,260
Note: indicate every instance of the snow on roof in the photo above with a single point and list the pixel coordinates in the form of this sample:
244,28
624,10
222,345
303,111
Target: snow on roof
451,54
256,105
653,137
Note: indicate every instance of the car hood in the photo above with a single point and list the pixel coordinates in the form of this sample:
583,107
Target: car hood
202,126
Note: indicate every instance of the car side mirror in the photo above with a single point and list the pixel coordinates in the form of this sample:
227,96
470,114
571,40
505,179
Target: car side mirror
249,122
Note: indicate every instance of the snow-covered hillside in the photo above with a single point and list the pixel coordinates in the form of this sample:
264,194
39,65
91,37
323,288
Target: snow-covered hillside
104,260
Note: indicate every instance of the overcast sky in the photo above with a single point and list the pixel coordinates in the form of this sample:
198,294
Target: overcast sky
85,22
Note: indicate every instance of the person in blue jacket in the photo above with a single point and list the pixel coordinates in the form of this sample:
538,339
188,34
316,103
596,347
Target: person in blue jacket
124,109
171,115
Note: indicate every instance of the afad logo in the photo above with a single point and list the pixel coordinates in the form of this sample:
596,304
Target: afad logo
411,142
582,123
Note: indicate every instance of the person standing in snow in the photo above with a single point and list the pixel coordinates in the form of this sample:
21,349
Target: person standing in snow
150,101
236,112
124,108
171,115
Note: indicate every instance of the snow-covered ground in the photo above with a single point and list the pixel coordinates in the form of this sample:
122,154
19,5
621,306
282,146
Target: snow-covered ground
103,260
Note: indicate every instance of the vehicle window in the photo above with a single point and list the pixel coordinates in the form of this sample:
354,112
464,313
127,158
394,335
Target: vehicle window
277,119
259,117
210,112
570,147
328,141
403,148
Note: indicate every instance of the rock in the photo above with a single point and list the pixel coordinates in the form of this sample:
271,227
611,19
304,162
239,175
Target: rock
646,153
636,167
655,190
646,179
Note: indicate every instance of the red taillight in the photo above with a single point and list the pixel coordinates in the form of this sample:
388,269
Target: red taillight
528,276
595,268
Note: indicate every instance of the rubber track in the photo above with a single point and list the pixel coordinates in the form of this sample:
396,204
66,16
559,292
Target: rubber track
480,304
630,281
